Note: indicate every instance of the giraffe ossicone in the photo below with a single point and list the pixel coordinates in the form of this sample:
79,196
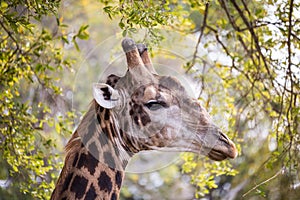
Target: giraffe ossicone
137,112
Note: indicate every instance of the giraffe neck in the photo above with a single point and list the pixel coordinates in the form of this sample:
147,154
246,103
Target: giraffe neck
95,160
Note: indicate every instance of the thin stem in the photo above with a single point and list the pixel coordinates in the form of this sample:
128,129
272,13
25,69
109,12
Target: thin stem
281,171
199,38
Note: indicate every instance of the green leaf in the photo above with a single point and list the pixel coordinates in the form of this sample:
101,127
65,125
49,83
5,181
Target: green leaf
124,33
4,6
75,44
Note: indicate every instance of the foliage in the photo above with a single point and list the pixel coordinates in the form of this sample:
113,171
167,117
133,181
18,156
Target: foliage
30,97
246,57
256,60
139,14
205,172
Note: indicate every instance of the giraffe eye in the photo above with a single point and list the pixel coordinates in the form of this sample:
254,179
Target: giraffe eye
155,105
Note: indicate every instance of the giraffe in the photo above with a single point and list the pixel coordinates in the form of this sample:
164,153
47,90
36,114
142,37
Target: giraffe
137,112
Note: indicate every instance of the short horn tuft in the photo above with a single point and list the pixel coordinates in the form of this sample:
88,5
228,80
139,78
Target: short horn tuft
143,51
128,45
132,54
141,48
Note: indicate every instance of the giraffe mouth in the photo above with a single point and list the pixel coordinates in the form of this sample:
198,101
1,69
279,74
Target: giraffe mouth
217,155
223,149
219,149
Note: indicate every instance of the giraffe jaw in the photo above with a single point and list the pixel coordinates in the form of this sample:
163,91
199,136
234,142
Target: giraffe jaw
214,144
213,154
219,151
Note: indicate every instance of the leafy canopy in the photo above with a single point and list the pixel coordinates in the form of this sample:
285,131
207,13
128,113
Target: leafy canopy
31,59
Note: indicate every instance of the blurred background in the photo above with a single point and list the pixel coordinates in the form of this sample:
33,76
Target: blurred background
239,58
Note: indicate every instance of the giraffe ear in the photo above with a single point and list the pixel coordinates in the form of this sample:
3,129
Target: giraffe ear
105,95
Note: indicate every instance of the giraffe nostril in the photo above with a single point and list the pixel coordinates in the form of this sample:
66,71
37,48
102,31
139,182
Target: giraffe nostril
224,138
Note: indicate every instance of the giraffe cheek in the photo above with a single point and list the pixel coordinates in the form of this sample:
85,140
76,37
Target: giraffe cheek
145,119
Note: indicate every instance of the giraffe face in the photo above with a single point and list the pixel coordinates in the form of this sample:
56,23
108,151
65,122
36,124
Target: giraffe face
162,116
155,112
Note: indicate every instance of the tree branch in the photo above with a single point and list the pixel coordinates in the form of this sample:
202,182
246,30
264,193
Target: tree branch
281,171
289,71
254,36
199,38
236,28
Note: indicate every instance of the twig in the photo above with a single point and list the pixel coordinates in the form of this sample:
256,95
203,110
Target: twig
281,171
10,35
289,73
231,20
13,39
254,36
199,38
236,28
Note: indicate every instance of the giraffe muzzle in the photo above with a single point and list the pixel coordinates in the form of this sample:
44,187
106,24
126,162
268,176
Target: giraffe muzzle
224,148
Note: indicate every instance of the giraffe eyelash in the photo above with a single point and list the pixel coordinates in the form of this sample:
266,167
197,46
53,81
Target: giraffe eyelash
155,105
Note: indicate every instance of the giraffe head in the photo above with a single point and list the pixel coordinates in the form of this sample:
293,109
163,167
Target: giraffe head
153,112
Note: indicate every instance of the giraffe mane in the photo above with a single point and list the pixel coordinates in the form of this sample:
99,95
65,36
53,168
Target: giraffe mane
70,149
76,140
74,143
